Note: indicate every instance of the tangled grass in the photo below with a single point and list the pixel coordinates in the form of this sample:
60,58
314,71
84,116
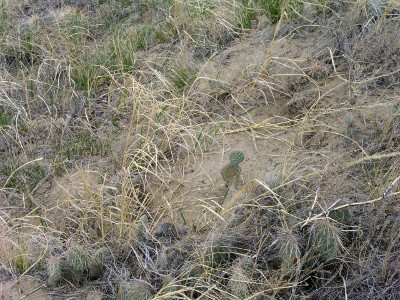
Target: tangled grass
113,131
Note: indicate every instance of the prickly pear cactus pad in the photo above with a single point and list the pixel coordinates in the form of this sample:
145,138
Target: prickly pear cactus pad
232,170
236,157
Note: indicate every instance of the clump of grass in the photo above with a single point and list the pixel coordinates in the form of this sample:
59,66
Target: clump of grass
23,176
274,9
182,76
245,13
84,144
218,253
21,260
3,19
205,140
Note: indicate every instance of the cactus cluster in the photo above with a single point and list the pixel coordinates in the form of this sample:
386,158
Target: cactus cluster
232,170
75,265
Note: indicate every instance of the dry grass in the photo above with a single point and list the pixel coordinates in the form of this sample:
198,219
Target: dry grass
111,142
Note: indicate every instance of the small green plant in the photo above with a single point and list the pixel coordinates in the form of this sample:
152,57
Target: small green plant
182,76
54,271
274,9
129,290
245,13
5,119
3,19
207,139
159,115
396,116
77,261
232,170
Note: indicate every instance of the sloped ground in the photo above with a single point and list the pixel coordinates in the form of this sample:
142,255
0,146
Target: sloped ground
113,142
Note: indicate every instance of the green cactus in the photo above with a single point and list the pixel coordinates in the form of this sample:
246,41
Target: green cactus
289,252
54,271
231,171
326,239
129,290
341,216
77,261
236,157
96,266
